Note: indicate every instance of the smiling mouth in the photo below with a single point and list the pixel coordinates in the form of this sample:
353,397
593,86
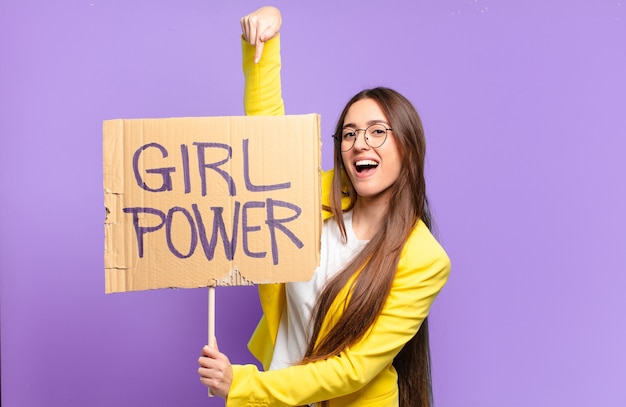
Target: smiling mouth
363,165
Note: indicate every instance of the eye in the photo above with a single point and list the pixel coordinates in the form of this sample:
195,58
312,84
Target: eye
348,134
377,130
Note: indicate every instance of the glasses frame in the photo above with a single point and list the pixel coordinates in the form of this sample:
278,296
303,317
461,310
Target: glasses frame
339,137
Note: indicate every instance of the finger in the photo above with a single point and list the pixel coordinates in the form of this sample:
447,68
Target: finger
209,351
248,29
242,23
212,353
206,362
269,32
252,33
217,381
210,383
204,372
215,388
259,51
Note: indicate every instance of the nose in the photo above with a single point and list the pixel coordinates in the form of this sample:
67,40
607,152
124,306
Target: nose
359,142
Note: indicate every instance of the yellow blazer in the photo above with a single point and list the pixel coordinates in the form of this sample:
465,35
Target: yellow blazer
361,375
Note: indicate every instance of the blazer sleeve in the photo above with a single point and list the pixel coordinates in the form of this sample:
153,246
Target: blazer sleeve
422,272
262,86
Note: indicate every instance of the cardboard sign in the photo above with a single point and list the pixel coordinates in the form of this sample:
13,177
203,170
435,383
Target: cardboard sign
197,202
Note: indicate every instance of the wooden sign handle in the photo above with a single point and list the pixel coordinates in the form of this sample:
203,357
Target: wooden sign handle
211,321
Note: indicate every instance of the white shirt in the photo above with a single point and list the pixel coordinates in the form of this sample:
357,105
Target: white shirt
295,323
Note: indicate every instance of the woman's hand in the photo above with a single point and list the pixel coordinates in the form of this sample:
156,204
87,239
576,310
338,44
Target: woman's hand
259,26
215,370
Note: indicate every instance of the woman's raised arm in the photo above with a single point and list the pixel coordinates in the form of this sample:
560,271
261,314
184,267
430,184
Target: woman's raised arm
261,62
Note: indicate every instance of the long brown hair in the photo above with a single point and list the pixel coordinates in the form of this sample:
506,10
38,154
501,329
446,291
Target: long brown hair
375,266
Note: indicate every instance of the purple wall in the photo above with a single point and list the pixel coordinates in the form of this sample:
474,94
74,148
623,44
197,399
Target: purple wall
524,105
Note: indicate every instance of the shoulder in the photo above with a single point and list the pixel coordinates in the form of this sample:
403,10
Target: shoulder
423,256
327,182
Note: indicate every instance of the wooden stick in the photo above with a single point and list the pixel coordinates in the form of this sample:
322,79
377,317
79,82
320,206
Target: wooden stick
212,316
211,322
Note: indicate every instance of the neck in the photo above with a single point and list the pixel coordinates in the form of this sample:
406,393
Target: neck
368,215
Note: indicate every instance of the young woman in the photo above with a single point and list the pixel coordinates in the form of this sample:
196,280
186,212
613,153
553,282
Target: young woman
356,334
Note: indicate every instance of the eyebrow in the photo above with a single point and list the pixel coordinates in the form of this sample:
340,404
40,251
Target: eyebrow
369,123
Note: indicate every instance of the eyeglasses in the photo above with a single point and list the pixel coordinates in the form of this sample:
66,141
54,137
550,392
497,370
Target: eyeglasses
375,136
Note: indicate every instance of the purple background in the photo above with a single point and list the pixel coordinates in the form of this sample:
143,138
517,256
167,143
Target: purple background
524,106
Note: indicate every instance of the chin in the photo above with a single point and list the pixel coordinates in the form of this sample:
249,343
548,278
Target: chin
368,193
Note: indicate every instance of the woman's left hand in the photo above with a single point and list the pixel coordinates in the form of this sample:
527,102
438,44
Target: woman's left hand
215,370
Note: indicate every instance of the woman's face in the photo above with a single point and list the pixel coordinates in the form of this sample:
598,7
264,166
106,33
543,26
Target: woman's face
371,170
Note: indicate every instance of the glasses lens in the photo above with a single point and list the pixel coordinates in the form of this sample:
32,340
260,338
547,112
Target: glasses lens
348,136
376,135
